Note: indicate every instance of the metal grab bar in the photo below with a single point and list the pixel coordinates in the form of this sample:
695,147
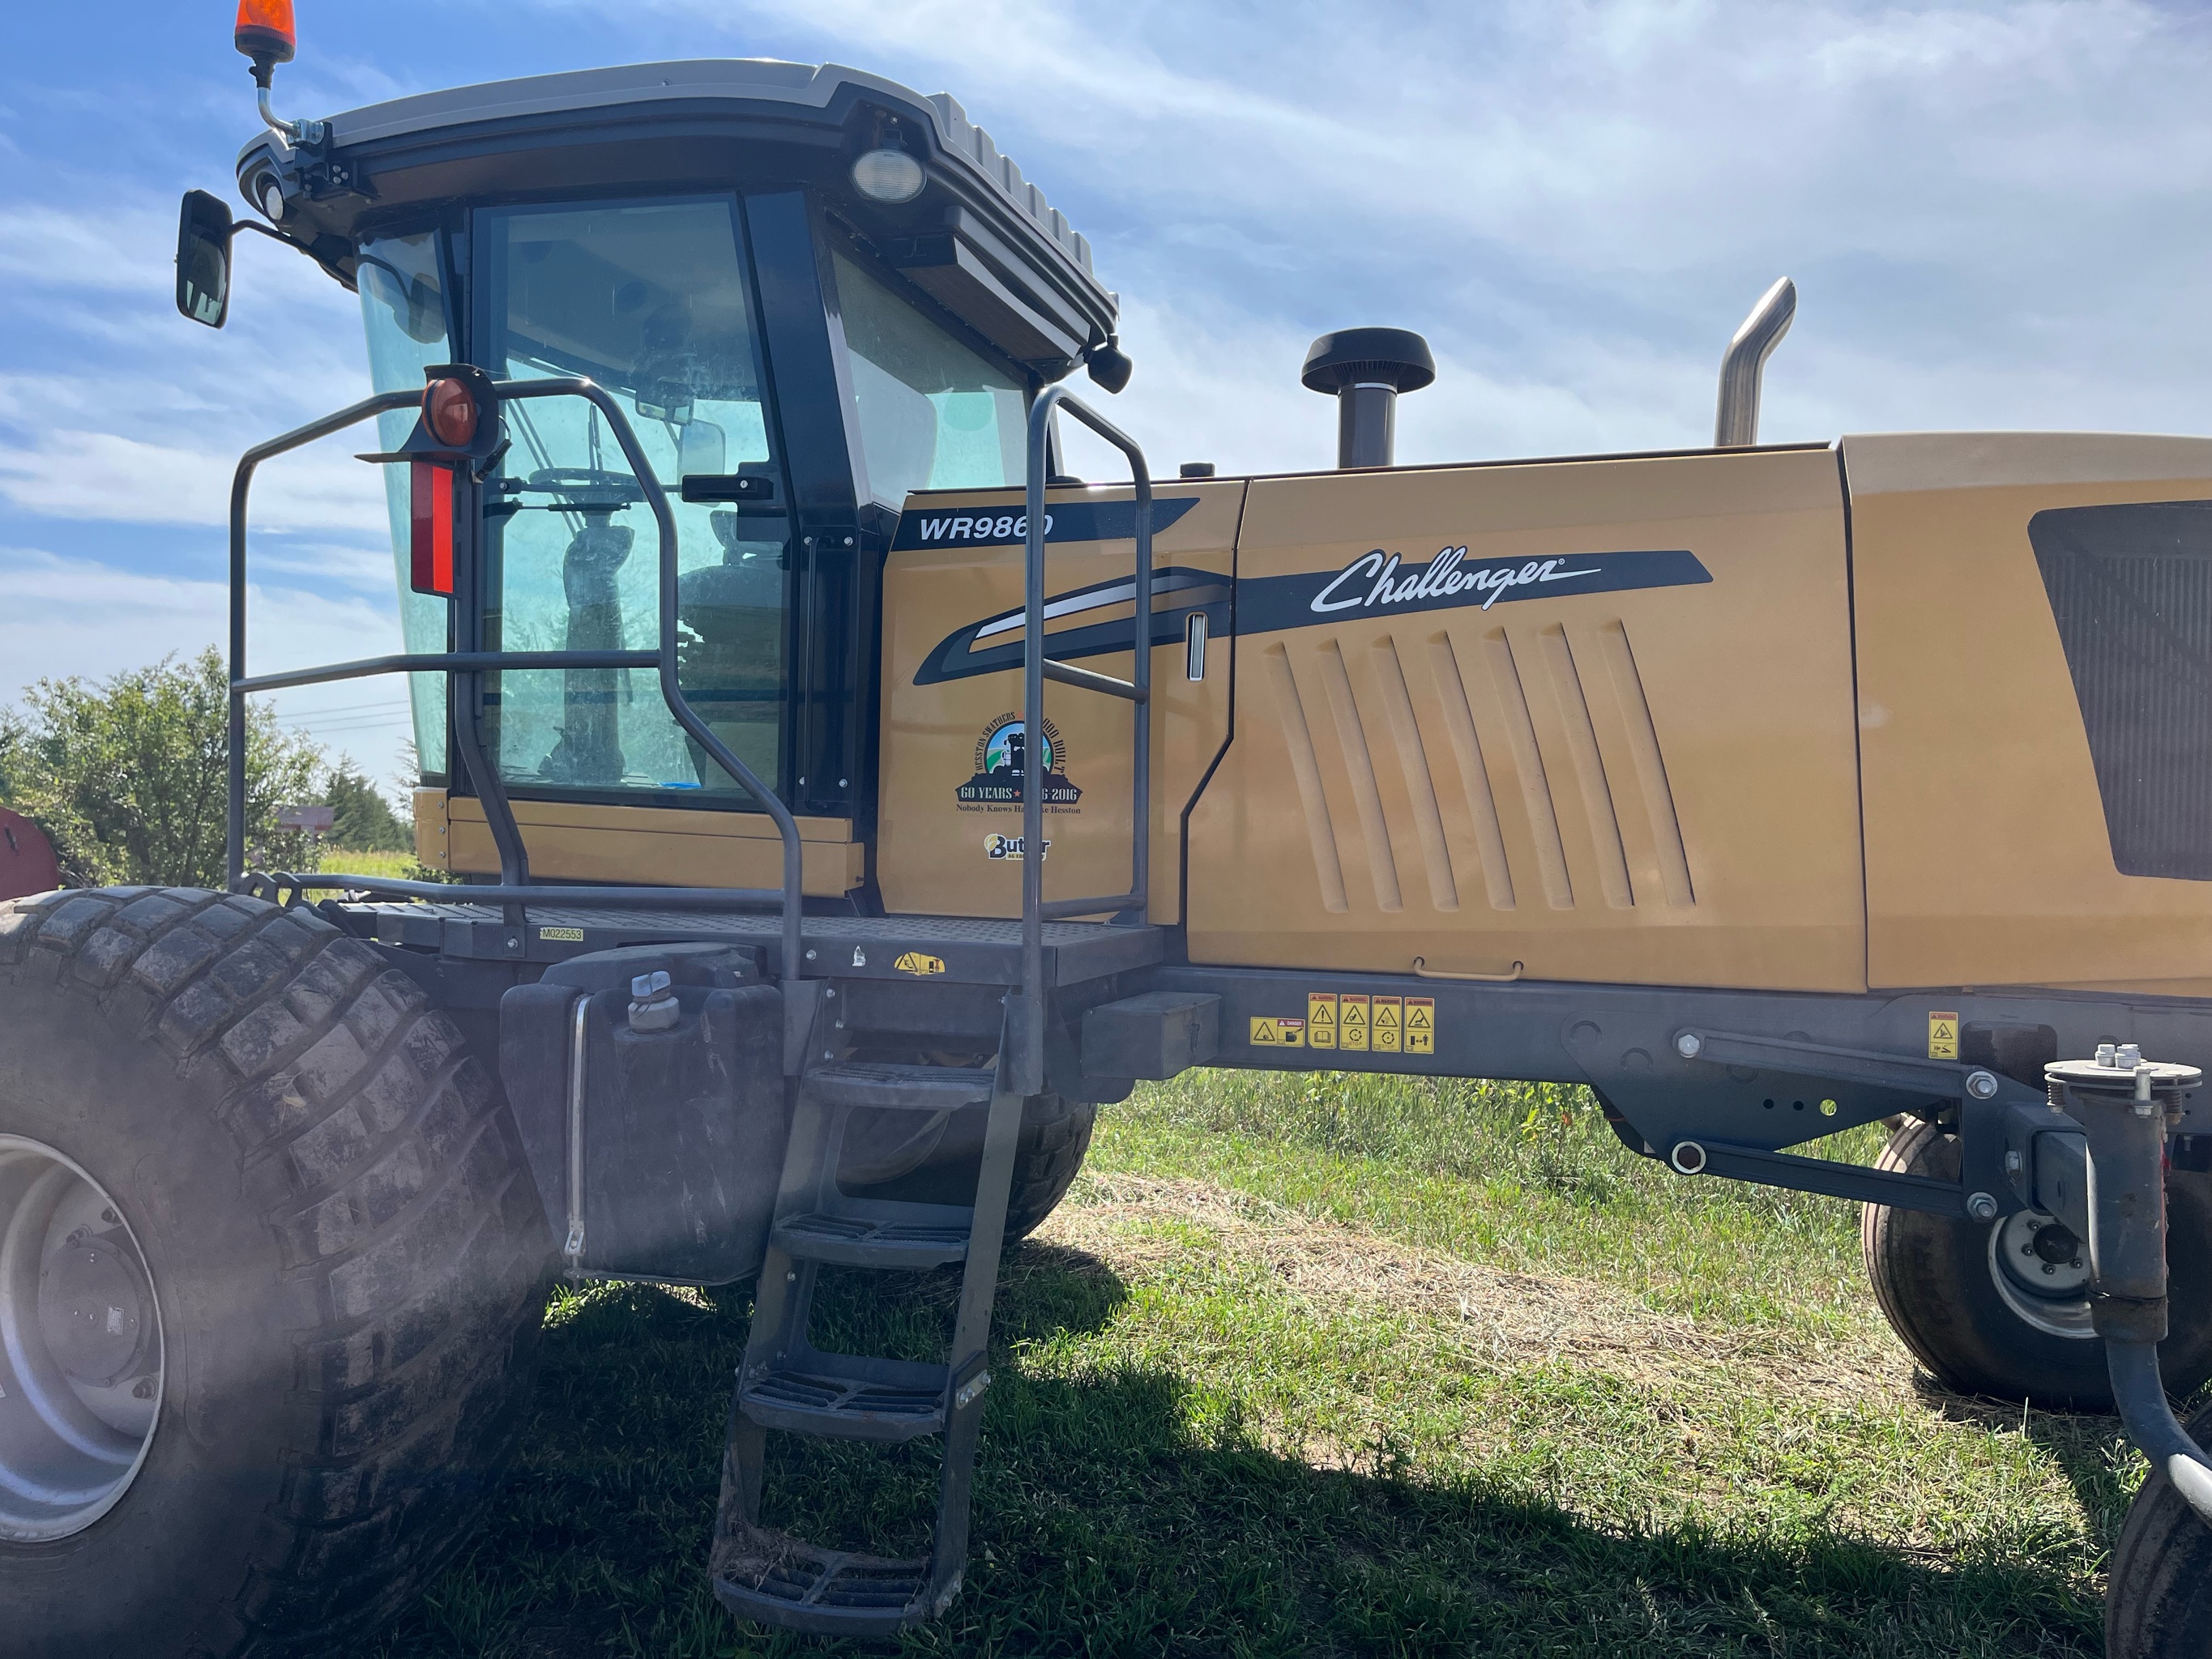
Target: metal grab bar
1026,1073
435,662
489,787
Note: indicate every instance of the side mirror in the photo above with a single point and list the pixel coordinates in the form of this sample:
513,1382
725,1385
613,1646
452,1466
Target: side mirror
203,233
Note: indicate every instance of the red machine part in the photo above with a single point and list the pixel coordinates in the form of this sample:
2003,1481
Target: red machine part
26,858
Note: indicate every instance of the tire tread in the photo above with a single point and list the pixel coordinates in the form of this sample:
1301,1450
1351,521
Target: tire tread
394,1184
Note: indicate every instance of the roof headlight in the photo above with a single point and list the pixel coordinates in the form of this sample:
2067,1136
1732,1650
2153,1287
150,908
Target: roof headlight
887,175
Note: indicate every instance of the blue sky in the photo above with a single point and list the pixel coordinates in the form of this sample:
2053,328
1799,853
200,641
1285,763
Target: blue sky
1998,215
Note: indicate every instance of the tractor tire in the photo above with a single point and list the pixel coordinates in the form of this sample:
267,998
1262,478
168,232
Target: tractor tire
1056,1136
1943,1285
314,1213
2158,1597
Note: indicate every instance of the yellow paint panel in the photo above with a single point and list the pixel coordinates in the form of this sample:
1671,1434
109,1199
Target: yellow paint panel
1987,859
663,846
940,854
1653,786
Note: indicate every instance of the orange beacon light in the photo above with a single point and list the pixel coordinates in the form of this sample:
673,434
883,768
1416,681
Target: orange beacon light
266,33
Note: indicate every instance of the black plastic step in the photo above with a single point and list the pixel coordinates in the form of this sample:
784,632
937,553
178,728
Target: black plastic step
775,1579
845,1397
851,1242
900,1088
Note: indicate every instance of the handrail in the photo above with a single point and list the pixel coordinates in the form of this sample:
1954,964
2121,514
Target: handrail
489,786
1026,1071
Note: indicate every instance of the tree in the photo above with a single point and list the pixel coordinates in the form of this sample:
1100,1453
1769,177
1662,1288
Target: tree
365,821
129,776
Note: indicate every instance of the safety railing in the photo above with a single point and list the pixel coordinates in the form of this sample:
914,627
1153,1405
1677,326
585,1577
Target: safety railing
514,889
1028,1069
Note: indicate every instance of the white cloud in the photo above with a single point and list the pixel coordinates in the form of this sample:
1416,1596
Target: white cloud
101,475
1997,208
67,616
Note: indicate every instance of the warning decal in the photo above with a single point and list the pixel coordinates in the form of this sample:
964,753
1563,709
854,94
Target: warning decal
1357,1023
1351,1023
1389,1024
1321,1019
1279,1033
1420,1025
1942,1035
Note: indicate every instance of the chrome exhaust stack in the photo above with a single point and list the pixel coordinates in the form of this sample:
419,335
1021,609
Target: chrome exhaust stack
1736,422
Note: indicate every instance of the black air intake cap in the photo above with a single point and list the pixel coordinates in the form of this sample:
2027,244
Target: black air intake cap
1395,357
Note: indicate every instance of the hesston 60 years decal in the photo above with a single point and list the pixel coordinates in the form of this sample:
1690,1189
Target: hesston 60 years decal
1003,754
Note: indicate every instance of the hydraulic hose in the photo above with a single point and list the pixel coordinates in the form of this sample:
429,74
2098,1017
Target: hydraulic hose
2149,1421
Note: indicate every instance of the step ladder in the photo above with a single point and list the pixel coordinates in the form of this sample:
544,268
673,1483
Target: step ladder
786,1384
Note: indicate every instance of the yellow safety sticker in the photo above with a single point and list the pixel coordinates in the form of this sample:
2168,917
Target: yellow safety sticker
1352,1022
1321,1019
918,962
1389,1026
1942,1035
562,935
1278,1034
1420,1025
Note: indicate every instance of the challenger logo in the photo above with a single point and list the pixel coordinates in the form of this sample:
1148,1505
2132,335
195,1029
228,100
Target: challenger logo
1380,583
1003,754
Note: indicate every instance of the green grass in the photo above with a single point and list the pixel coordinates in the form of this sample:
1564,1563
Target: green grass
1271,1385
366,864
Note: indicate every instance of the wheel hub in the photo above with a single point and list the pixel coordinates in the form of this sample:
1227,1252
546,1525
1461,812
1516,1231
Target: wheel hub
2042,1273
81,1357
92,1307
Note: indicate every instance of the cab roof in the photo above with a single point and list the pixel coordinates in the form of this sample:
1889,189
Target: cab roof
675,124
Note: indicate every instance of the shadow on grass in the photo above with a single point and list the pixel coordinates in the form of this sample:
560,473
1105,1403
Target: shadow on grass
1106,1525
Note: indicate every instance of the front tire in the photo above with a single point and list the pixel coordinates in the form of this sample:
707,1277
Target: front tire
2158,1602
1979,1330
337,1241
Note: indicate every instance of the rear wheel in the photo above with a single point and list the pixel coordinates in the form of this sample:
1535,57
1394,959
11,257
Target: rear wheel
270,1272
2158,1602
2003,1308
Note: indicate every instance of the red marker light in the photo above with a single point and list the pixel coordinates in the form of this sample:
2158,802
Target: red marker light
449,410
430,543
265,33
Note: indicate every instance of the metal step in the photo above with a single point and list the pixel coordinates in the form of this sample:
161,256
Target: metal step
775,1579
850,1241
845,1396
900,1088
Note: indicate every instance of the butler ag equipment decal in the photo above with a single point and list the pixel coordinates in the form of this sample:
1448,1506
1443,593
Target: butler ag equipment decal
1381,584
1002,756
